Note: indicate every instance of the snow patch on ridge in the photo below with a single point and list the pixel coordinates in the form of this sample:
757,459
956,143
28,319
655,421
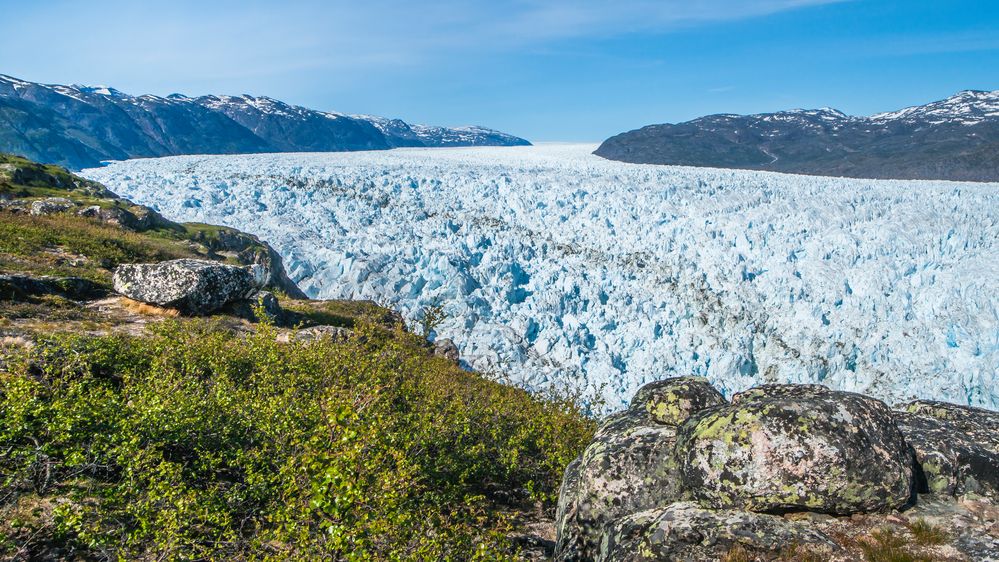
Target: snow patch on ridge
560,268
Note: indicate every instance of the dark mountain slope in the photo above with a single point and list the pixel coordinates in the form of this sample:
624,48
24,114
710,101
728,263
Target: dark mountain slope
953,139
79,126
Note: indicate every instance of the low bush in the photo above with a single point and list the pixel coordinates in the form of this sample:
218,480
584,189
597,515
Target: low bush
198,443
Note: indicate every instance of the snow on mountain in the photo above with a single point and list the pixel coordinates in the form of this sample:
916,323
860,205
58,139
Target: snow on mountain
81,126
969,107
953,139
560,268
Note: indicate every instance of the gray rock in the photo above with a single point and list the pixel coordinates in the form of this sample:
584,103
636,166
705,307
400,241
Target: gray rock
783,448
957,447
626,468
447,349
248,249
672,401
91,212
14,207
335,333
569,544
980,424
191,286
51,205
20,287
263,301
686,532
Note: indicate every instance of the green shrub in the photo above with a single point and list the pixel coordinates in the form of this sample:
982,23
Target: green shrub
196,443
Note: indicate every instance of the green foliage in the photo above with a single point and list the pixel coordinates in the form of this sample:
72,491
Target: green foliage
432,316
198,443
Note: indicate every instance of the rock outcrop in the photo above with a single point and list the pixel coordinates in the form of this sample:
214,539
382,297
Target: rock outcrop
188,285
19,287
682,474
51,205
248,249
334,333
447,349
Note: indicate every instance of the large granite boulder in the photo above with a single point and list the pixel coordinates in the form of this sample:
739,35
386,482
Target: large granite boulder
783,448
672,401
957,447
684,531
191,286
248,249
569,541
626,468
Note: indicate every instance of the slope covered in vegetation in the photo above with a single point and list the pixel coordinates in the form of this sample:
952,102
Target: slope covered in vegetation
128,432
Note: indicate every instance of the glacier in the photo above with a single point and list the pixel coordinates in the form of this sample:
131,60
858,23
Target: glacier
559,269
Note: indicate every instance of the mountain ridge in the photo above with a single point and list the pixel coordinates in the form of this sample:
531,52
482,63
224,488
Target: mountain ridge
956,138
80,126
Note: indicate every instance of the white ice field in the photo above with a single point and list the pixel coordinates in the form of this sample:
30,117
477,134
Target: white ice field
557,267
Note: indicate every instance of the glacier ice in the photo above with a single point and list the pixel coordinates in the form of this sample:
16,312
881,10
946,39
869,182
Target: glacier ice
560,268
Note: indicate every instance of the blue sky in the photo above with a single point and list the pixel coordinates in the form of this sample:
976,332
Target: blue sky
548,70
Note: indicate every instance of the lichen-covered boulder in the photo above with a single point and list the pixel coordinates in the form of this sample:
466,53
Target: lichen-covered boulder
684,531
191,286
785,448
672,401
957,447
979,424
569,545
626,468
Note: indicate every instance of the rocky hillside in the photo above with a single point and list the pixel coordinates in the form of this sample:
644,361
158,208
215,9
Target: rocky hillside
782,472
167,393
80,126
55,223
952,139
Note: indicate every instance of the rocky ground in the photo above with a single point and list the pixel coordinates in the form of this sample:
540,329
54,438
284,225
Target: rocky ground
783,472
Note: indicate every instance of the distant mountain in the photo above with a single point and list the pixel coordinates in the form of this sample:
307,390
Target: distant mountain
953,139
79,126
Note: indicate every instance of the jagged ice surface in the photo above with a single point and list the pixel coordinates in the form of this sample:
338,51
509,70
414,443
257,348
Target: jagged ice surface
559,267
